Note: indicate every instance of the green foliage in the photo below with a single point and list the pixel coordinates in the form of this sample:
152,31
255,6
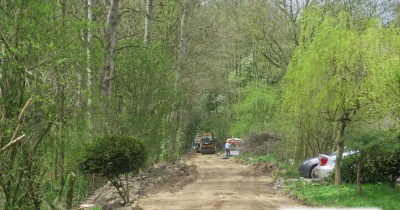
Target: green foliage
334,72
384,91
368,173
42,58
385,165
285,168
331,73
320,78
380,150
143,94
325,79
113,155
372,140
373,169
317,194
247,75
250,158
257,108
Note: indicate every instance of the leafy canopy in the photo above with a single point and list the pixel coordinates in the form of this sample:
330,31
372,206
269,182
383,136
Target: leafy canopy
256,110
327,75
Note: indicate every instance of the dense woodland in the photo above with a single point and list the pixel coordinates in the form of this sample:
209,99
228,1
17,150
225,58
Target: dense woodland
321,74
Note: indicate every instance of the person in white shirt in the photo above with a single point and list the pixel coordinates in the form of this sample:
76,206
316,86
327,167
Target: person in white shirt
228,148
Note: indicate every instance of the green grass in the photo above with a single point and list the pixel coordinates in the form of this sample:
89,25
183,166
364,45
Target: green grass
346,195
320,194
249,158
286,169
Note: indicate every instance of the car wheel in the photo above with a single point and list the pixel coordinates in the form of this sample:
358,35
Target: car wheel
313,173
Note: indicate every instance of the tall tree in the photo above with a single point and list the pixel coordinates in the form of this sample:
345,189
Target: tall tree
110,48
148,22
384,45
91,16
175,114
330,81
41,63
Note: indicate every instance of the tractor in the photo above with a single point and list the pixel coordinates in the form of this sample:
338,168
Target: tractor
205,143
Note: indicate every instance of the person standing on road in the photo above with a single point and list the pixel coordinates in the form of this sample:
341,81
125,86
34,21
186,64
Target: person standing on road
228,148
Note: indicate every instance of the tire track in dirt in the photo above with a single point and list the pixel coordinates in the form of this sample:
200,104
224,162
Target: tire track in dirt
222,184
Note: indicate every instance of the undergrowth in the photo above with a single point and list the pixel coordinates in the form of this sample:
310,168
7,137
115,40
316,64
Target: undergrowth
250,158
346,195
285,169
321,194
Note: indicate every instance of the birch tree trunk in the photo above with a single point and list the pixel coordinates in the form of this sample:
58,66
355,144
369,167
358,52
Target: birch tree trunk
148,22
182,43
181,59
91,16
91,5
109,54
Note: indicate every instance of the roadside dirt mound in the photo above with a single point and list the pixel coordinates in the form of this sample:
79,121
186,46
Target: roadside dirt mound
265,168
172,176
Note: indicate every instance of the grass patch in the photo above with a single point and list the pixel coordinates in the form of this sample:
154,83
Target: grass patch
346,195
250,158
285,169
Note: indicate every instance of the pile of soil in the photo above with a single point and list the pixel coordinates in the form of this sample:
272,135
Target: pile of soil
171,176
265,168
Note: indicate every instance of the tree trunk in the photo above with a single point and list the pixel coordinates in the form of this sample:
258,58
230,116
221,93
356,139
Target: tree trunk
91,16
340,146
175,115
359,174
110,38
182,44
70,194
148,22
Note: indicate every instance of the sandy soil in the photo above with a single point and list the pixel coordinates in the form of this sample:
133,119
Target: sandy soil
221,184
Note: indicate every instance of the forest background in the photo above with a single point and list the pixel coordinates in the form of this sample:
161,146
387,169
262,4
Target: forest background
318,73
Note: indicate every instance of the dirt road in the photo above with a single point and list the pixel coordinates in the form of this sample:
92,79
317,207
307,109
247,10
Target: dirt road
221,184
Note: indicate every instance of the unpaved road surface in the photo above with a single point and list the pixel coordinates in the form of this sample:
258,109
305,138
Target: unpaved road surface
221,184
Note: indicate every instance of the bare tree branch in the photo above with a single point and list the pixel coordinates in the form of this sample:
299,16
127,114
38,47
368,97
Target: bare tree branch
21,119
15,140
12,143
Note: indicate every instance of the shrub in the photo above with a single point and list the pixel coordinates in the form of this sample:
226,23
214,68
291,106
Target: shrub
374,168
388,166
368,173
111,156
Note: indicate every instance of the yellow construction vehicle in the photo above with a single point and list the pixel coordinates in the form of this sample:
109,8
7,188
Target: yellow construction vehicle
207,143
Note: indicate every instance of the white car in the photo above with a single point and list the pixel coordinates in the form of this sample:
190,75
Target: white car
326,163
